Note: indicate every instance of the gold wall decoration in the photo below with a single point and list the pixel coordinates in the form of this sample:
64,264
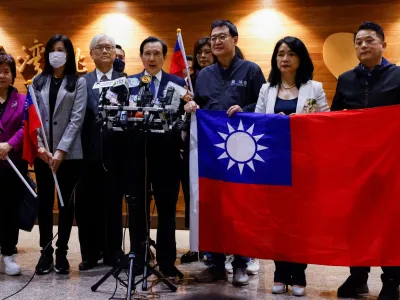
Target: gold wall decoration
34,57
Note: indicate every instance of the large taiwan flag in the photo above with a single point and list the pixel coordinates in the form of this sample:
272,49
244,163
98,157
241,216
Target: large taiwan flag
321,188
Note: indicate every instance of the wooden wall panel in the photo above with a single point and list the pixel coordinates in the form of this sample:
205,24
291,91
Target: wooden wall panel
260,22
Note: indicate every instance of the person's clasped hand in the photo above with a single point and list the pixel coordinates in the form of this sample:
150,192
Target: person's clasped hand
4,149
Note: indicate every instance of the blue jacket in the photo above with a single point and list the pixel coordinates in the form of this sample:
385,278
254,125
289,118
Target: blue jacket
239,84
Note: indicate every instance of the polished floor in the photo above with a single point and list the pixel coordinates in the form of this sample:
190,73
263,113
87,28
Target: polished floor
322,281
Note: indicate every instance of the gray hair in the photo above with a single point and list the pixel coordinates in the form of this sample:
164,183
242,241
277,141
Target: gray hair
96,39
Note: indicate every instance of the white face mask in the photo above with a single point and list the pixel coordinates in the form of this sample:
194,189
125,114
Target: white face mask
57,59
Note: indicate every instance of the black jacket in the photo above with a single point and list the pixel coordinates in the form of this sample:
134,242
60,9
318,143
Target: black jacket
356,89
239,84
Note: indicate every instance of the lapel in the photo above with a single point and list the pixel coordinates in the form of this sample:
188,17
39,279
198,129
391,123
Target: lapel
11,106
272,94
303,95
44,93
163,83
61,94
115,75
91,80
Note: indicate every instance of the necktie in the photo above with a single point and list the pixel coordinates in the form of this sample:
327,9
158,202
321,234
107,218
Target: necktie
153,87
104,78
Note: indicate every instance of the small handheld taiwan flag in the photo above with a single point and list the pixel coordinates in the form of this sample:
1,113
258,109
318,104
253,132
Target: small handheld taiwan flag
31,125
177,63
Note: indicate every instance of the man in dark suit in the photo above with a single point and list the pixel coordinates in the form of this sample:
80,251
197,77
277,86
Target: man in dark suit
162,158
99,195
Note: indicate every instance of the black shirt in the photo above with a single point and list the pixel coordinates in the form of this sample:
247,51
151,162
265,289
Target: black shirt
218,88
286,106
55,84
3,105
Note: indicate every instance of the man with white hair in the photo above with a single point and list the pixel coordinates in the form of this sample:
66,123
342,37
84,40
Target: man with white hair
99,195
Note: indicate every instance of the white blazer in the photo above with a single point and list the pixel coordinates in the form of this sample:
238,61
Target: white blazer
311,98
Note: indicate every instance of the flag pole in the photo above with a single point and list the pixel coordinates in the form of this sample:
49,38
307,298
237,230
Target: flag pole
21,177
180,41
32,93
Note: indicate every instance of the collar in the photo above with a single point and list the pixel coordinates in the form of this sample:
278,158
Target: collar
99,74
232,64
383,63
158,75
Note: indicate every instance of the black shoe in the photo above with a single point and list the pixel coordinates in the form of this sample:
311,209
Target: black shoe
45,264
87,265
390,289
189,257
170,271
62,265
352,288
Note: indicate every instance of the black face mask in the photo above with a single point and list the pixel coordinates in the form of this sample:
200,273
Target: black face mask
118,65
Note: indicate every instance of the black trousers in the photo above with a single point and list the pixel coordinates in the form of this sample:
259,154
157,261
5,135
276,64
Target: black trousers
163,179
99,203
12,190
184,178
290,273
68,175
361,273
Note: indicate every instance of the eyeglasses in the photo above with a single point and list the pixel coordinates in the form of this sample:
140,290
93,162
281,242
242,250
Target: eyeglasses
100,48
222,37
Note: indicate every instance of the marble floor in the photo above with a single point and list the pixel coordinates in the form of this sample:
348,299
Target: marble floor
322,281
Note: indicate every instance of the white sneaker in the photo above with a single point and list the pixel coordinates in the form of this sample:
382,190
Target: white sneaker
9,266
228,263
253,266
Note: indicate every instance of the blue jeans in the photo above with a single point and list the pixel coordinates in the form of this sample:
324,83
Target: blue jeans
218,259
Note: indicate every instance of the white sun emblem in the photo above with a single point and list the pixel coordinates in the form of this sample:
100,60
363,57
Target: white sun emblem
241,147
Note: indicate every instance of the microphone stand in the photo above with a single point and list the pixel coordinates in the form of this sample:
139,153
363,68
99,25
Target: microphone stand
148,269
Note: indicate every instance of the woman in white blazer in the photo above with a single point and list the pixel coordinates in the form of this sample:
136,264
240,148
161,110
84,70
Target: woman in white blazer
290,90
62,98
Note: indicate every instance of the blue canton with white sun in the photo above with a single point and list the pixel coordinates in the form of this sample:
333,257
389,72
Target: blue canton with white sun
247,148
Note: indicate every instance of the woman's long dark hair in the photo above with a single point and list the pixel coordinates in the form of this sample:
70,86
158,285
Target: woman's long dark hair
70,72
197,47
306,68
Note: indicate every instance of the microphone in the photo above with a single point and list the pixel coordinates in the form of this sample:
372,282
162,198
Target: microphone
144,96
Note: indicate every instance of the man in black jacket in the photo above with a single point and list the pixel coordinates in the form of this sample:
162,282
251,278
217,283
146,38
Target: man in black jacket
374,82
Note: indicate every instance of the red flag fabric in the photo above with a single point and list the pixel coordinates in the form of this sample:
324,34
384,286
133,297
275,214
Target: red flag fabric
321,188
31,124
177,63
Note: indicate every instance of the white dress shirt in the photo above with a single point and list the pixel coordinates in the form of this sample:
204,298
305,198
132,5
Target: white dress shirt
157,81
100,74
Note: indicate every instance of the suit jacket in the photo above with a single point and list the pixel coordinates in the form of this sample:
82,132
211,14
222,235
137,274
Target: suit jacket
11,127
91,132
311,98
165,78
68,116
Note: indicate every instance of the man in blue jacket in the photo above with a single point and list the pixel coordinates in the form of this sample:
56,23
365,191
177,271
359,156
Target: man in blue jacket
231,84
162,156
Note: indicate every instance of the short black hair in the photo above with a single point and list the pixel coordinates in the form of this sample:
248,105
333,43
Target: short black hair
9,60
239,53
306,68
220,23
189,57
120,48
371,26
153,39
